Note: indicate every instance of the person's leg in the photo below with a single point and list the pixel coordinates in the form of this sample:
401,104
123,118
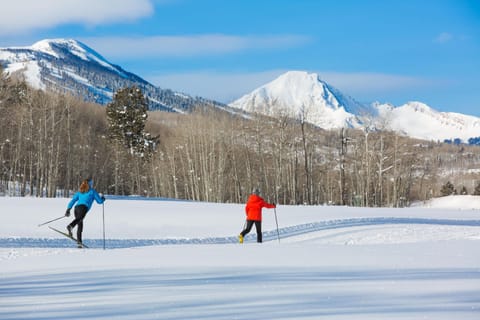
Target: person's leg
70,227
247,229
79,231
80,212
258,226
74,222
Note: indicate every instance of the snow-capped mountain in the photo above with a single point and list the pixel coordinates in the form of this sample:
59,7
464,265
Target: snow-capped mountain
303,96
69,66
418,120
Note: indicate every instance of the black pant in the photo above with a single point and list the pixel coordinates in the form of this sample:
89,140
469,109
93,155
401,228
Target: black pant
80,213
258,226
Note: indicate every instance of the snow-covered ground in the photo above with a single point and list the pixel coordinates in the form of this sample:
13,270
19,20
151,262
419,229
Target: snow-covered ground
181,260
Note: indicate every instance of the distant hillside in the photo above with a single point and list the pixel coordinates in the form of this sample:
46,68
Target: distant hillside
303,96
69,66
418,120
299,94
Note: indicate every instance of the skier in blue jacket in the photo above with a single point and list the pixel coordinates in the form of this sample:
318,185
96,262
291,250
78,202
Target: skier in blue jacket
84,199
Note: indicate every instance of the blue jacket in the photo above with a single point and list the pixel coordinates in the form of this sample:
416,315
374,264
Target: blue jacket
86,198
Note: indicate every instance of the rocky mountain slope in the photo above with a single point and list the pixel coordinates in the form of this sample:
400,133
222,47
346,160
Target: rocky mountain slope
305,96
69,66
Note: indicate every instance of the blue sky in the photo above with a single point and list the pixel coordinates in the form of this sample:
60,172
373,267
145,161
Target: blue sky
374,50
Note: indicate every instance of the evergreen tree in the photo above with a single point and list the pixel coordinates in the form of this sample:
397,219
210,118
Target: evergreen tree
448,189
464,191
127,115
476,192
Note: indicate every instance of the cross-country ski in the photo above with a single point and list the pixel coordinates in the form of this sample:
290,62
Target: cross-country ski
79,244
167,257
247,160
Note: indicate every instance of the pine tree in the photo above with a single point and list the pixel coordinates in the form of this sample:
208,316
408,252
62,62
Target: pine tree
127,115
448,189
476,192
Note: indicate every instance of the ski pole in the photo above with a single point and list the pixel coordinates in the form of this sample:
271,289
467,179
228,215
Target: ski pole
103,215
276,221
52,220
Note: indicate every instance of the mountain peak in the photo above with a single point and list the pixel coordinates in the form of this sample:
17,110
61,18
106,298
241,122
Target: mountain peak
68,65
418,120
417,106
48,45
62,48
299,76
303,95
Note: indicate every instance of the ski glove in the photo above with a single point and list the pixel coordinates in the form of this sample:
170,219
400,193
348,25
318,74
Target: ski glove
67,213
103,198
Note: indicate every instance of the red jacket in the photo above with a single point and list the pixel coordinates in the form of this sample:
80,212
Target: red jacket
254,206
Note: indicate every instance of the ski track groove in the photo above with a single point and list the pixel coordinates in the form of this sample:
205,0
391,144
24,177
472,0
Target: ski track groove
270,235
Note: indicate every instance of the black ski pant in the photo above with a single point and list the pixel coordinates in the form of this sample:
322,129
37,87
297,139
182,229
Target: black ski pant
80,213
248,227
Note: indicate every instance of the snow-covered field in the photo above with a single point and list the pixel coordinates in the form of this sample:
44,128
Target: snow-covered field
181,260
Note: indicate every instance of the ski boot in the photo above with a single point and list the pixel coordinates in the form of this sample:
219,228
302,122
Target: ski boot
79,245
69,229
240,238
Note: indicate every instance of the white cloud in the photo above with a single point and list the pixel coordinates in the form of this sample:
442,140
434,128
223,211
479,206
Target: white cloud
443,37
188,45
20,16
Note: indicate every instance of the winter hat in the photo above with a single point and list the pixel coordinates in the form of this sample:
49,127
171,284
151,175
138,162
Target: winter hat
89,180
256,191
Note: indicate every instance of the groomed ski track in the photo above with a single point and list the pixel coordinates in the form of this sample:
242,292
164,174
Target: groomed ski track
268,235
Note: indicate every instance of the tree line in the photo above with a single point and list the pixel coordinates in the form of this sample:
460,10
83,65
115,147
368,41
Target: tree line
50,142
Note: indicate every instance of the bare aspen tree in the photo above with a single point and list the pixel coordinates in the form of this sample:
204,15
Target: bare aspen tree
49,142
343,152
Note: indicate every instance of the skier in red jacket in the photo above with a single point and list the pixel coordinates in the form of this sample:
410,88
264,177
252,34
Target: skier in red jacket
253,209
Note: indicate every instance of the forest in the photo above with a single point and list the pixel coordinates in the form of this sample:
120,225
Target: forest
50,141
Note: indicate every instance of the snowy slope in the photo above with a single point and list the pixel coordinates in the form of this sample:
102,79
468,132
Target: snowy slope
67,65
69,46
331,262
52,60
464,202
302,95
418,120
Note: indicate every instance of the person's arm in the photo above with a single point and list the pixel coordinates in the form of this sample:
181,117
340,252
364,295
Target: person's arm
268,205
72,202
97,197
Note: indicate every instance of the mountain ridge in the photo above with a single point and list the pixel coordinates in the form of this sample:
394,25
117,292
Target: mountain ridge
418,120
303,96
69,66
329,108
